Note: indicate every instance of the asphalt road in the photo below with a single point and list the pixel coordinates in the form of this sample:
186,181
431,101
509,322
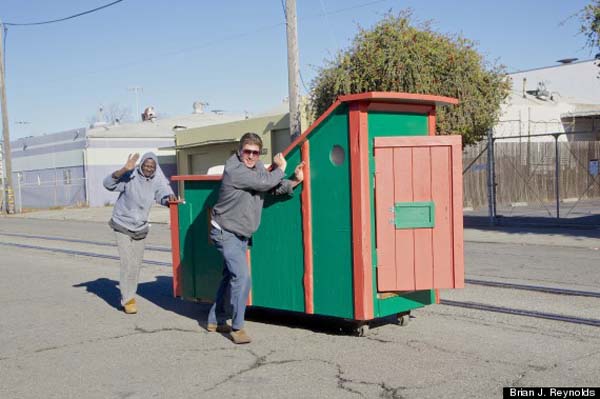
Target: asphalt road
62,336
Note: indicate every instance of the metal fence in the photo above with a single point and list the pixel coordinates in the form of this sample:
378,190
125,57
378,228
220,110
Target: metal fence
556,179
49,193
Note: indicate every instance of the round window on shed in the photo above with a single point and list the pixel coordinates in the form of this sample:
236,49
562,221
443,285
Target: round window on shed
337,155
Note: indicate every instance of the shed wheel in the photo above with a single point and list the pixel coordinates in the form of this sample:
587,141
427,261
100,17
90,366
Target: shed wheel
362,330
403,320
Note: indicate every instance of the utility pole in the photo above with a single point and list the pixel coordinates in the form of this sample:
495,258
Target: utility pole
9,206
293,68
137,90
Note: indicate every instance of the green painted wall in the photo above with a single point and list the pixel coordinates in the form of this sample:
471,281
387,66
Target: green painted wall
332,221
386,124
202,264
277,256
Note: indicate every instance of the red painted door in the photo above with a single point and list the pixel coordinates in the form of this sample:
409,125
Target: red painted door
418,210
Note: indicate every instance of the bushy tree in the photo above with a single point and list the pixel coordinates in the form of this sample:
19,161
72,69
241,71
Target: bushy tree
590,24
396,55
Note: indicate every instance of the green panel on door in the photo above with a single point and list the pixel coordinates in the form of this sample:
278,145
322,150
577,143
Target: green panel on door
414,215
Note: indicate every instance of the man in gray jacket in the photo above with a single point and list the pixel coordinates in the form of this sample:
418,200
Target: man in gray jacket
235,217
138,187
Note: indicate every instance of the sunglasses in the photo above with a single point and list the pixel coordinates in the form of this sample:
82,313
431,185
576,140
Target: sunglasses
251,152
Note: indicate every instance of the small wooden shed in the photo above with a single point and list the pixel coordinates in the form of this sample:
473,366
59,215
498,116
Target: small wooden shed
374,230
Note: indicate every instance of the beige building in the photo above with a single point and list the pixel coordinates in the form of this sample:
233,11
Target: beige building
200,149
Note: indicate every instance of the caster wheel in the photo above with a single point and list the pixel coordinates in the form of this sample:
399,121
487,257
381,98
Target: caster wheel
403,320
362,331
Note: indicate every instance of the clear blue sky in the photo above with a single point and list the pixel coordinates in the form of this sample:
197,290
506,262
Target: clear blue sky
231,54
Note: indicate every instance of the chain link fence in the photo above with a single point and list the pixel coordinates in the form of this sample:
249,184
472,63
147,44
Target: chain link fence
550,178
57,189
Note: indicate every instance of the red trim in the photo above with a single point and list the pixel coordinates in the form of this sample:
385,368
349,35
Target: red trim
401,107
413,100
173,210
196,177
361,216
431,122
409,100
437,296
248,260
307,231
399,97
300,139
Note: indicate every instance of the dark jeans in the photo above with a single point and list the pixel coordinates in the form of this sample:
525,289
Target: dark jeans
236,282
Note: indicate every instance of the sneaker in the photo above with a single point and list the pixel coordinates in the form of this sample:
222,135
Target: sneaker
239,337
222,328
130,307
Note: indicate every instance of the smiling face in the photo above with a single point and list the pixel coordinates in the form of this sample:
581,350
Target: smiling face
249,155
148,167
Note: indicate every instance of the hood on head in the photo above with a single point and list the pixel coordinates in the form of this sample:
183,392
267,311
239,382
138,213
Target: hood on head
148,155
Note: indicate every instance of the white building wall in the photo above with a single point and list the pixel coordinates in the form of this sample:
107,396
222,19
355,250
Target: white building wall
48,161
576,82
571,88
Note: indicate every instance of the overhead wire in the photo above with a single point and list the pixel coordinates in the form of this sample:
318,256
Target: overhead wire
65,18
208,43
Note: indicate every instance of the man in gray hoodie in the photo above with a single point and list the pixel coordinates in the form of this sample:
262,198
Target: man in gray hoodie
235,217
138,187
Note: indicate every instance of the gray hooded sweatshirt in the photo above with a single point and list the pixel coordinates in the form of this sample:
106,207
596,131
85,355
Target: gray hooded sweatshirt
241,196
137,193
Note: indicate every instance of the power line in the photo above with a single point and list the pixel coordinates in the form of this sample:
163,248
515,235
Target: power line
224,39
63,19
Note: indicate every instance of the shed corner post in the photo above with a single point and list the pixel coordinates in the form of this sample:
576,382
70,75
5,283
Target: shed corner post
361,210
176,256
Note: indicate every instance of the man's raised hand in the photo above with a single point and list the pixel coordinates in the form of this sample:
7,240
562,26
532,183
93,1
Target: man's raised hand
132,161
280,161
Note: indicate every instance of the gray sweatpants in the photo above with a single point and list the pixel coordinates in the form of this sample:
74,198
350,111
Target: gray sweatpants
131,253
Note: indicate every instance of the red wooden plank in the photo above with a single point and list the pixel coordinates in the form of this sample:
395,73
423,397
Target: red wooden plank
384,204
423,237
306,199
404,238
361,212
457,220
312,127
431,122
399,97
175,254
435,174
441,180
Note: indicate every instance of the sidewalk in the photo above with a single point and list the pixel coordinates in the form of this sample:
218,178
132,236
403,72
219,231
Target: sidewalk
158,214
514,234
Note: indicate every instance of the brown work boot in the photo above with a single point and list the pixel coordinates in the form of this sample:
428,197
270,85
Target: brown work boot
239,337
222,328
130,307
